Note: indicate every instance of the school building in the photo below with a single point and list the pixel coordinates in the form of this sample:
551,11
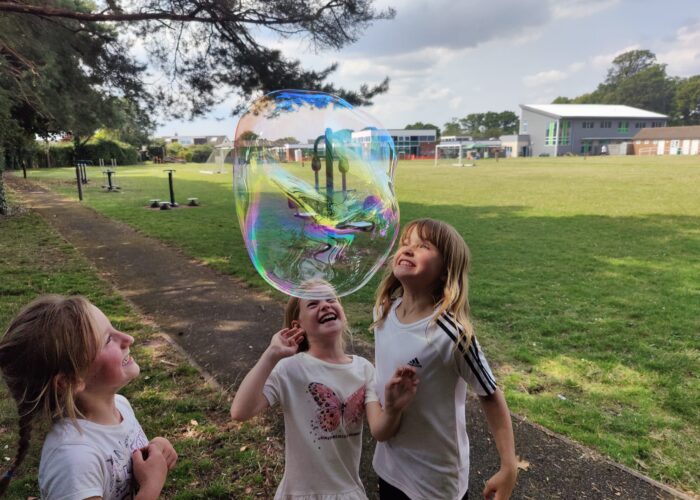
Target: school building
667,141
559,129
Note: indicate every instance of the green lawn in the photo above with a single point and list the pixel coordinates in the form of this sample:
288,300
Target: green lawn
218,459
585,283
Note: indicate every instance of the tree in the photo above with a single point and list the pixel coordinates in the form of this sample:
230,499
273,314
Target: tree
634,79
629,64
424,126
65,66
686,106
453,127
209,49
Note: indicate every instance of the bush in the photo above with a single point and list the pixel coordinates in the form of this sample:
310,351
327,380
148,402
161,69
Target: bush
63,153
200,153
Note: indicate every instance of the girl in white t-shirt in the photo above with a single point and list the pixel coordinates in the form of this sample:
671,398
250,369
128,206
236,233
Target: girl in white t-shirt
324,394
422,319
62,360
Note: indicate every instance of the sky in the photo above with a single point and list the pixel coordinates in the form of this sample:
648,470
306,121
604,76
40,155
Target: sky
448,58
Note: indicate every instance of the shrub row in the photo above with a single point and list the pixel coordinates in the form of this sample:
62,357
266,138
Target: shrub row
63,154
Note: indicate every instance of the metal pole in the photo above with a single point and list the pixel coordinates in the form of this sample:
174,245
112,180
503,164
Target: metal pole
80,184
329,171
109,180
172,190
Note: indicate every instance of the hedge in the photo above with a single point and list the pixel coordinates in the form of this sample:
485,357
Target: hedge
62,154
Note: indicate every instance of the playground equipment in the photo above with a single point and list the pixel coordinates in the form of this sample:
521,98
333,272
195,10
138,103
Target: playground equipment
108,181
172,190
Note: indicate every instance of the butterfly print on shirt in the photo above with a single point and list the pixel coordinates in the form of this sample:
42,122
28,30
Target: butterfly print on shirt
332,411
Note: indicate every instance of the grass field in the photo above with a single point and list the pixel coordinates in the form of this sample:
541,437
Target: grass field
585,283
219,459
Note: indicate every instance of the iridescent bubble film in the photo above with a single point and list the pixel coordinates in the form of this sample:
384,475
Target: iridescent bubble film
313,183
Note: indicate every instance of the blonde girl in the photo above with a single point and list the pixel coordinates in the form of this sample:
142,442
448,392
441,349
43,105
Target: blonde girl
422,319
63,361
324,394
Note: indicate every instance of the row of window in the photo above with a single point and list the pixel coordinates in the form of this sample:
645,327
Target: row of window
622,126
413,138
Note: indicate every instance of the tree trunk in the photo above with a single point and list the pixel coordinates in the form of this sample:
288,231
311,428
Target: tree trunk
4,209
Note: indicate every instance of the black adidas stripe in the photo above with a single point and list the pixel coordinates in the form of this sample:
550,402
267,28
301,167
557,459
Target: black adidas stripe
487,384
474,351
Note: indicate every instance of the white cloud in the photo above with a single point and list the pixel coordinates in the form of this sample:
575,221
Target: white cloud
544,78
573,9
683,57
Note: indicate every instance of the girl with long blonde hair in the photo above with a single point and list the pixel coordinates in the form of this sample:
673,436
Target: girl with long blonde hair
422,319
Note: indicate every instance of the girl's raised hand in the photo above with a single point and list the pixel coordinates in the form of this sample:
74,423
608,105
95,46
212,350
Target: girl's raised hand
400,389
285,343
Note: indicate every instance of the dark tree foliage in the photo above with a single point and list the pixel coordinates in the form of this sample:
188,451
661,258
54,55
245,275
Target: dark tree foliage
208,49
66,66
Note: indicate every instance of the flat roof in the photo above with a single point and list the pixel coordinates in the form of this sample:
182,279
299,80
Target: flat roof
591,111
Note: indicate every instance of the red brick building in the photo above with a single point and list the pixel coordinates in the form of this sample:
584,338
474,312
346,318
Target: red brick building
667,141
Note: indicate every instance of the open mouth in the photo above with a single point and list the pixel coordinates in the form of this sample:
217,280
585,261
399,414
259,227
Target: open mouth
327,317
127,359
406,263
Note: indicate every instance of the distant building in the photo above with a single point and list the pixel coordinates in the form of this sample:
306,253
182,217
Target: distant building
408,143
558,129
667,141
189,140
514,146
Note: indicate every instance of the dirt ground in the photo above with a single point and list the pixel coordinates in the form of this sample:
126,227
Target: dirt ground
224,326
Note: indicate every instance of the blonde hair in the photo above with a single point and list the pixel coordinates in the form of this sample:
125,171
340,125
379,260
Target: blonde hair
293,309
52,336
451,292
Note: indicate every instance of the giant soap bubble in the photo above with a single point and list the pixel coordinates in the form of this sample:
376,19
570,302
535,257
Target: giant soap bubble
313,182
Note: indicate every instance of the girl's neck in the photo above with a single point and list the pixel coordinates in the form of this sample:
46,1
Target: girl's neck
415,305
330,352
99,408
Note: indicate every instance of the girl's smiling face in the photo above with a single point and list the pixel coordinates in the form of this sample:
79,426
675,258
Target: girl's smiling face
321,317
113,367
417,261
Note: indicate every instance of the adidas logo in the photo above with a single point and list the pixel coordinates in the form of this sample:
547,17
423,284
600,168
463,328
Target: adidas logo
415,363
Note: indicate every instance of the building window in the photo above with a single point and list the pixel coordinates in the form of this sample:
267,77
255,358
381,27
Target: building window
524,126
640,125
623,126
550,134
606,124
657,124
588,124
646,142
565,137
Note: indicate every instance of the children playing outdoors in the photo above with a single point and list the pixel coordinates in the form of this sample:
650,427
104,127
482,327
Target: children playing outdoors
422,319
63,361
324,394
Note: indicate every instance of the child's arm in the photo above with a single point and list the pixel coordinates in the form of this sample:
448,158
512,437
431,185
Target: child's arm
398,393
250,400
150,472
502,483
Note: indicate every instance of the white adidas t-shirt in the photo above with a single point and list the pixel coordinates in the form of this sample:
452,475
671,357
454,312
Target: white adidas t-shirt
324,408
92,461
429,456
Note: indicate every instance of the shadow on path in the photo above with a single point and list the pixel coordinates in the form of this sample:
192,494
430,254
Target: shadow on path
224,326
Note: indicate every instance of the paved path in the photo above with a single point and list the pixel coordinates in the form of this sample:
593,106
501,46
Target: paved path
225,326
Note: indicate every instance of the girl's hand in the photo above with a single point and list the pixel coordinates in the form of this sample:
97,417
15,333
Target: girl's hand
285,343
501,484
150,472
167,450
400,389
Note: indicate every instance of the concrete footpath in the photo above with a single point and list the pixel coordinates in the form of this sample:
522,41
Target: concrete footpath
224,326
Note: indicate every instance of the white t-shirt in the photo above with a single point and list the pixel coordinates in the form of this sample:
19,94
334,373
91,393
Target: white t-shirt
428,458
324,408
93,460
